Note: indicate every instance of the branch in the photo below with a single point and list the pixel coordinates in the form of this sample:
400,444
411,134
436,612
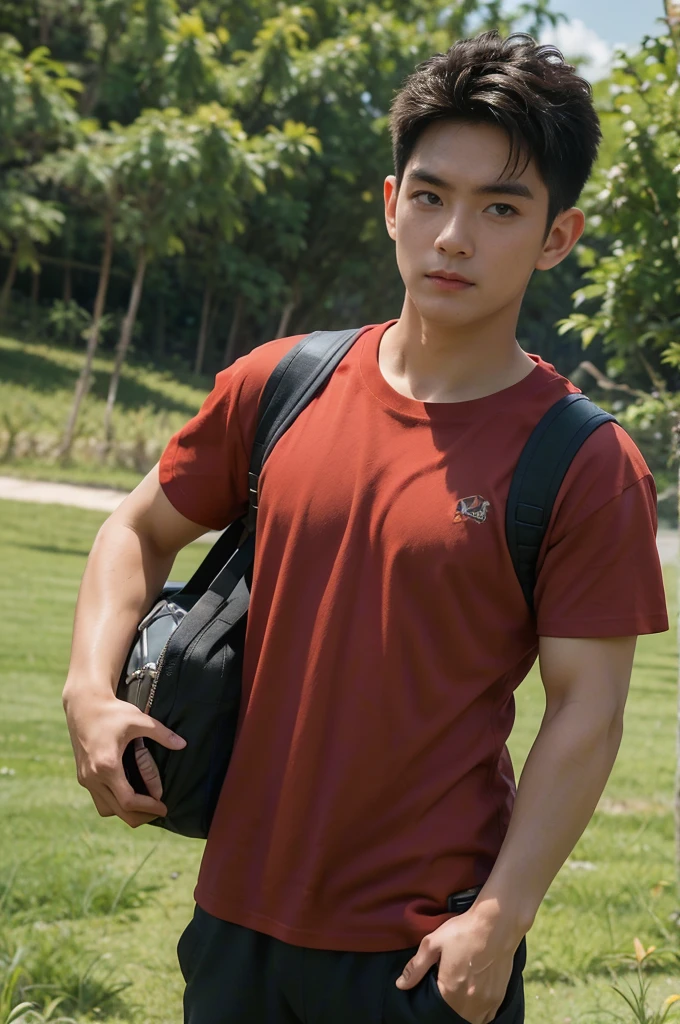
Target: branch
60,261
607,384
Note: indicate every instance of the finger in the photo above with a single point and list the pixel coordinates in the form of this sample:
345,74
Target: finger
131,818
145,725
492,1014
129,802
111,809
135,820
103,806
418,966
148,770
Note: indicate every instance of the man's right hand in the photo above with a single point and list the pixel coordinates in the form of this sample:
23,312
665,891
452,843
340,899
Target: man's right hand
101,726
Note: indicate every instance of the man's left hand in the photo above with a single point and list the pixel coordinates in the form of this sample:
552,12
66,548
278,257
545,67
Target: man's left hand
475,965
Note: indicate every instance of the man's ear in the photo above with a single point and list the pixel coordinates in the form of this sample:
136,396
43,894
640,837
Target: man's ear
565,232
390,193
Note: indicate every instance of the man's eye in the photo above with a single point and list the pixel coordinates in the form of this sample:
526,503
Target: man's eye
428,196
502,209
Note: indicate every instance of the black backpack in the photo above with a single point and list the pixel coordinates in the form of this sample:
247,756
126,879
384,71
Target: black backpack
184,667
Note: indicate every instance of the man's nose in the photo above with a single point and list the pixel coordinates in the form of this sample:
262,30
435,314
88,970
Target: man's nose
456,236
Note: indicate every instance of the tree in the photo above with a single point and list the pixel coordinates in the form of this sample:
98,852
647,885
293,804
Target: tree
173,171
152,161
312,250
25,223
88,174
335,67
36,114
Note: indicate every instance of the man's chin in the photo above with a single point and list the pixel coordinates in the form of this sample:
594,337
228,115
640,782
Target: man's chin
446,312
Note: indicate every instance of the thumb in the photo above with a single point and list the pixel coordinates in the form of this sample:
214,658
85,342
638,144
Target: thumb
148,726
417,967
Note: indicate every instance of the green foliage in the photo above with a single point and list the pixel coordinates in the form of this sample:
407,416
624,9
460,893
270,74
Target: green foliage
66,322
36,114
36,102
51,971
242,146
636,994
629,302
26,222
632,262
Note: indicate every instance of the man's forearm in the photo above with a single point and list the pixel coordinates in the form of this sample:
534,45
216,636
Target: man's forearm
124,574
562,781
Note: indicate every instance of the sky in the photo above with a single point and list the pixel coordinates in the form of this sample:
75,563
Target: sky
595,27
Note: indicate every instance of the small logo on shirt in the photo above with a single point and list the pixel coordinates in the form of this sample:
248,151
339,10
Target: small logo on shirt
472,508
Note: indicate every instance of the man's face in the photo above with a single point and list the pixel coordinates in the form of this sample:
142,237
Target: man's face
458,212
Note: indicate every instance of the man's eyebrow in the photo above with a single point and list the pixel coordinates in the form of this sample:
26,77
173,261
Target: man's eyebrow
506,188
495,188
429,177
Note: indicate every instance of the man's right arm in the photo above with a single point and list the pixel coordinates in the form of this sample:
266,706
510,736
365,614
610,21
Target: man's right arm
130,560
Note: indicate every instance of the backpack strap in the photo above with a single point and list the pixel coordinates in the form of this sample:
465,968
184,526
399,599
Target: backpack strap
291,386
538,476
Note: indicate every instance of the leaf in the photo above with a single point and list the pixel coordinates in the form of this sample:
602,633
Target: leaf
587,335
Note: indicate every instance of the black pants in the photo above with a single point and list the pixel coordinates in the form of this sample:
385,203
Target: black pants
238,976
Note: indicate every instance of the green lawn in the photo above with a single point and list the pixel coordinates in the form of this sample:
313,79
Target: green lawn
93,910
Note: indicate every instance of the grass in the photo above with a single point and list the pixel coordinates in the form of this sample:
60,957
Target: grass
90,911
36,391
74,889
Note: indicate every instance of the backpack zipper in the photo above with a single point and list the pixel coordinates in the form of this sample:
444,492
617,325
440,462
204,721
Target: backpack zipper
154,675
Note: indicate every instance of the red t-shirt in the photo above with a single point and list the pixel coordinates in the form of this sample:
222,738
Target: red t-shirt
386,635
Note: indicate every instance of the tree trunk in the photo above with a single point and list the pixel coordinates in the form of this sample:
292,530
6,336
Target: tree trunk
90,95
35,295
159,330
85,377
67,288
44,26
230,348
9,284
124,343
203,331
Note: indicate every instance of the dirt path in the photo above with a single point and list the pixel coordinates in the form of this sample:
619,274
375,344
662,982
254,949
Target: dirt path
43,492
46,493
105,500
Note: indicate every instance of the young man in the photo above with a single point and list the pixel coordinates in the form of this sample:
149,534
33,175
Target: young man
370,780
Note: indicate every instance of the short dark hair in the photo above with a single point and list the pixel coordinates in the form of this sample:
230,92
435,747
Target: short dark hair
528,90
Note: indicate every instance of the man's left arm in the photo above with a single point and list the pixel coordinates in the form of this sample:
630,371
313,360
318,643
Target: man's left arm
586,683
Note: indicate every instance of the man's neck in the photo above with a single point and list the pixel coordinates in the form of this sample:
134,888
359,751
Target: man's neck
433,363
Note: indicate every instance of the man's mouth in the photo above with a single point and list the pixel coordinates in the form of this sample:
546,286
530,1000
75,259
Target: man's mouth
449,281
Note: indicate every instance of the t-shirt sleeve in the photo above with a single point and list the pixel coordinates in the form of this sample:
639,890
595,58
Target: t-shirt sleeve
204,468
600,574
